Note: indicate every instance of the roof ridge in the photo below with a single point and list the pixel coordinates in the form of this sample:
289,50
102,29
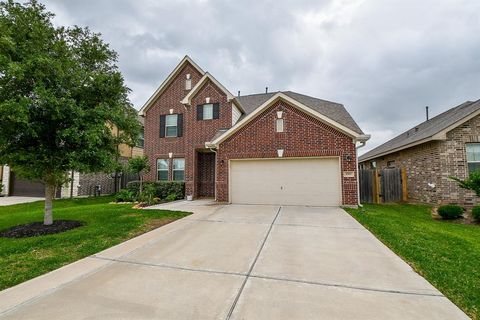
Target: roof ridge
311,97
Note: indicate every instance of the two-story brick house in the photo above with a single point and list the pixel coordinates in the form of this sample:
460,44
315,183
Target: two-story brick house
271,148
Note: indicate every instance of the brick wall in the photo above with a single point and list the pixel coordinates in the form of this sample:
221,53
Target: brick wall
156,147
304,136
433,163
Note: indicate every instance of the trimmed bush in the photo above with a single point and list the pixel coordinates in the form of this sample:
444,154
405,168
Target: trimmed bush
476,212
450,211
125,195
172,189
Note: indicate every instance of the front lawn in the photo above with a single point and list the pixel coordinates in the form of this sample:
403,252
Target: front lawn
446,253
105,225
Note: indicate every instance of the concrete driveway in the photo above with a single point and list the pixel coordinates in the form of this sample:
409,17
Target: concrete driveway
237,262
7,201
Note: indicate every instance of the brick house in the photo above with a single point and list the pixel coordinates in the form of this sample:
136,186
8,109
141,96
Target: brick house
271,148
81,184
431,152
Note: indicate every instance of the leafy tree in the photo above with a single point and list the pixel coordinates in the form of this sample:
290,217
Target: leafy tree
61,94
471,183
139,165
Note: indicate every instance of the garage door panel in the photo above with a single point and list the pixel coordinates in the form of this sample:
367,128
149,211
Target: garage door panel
286,181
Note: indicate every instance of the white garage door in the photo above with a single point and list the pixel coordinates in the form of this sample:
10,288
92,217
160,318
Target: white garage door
308,181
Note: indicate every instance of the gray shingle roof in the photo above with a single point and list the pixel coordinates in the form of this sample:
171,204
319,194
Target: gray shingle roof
332,110
425,129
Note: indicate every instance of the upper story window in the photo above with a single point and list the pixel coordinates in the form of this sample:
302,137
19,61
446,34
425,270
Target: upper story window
162,169
141,139
279,125
179,169
208,111
473,156
171,125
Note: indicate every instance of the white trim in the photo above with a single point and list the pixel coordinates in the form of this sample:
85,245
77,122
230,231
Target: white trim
167,81
188,98
298,105
439,136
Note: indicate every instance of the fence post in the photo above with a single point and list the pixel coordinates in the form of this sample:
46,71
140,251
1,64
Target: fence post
404,185
376,187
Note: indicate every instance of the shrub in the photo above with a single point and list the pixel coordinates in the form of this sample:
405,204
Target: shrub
148,194
171,197
476,212
162,188
125,195
450,211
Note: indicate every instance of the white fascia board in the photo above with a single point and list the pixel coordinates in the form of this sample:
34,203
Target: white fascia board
188,98
294,103
167,81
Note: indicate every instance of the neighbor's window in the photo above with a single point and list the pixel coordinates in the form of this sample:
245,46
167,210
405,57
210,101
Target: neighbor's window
171,128
207,112
162,170
279,125
179,169
473,156
141,139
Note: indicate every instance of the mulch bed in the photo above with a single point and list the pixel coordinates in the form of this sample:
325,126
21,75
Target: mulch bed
39,229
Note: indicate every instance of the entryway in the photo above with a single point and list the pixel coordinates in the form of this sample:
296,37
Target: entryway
205,174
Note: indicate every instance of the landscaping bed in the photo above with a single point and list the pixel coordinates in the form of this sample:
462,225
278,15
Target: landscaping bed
104,225
35,229
445,252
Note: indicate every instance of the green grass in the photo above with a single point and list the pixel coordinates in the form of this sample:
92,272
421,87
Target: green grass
106,225
446,253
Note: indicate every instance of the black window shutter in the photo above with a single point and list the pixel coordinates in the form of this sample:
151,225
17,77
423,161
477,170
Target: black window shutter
216,110
162,126
179,125
200,112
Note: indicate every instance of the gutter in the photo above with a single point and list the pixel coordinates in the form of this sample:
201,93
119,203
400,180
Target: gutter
363,142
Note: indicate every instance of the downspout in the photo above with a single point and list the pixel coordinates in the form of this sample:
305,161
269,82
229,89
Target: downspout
215,178
362,144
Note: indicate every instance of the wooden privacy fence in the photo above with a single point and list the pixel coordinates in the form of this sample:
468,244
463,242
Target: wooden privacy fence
381,186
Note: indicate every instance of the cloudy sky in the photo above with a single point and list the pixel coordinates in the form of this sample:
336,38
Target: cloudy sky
384,60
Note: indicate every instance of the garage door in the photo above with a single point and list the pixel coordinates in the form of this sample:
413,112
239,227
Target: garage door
314,182
21,187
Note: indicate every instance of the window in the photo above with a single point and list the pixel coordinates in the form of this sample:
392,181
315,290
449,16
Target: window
391,164
171,128
473,156
207,111
162,170
279,125
188,84
141,139
179,169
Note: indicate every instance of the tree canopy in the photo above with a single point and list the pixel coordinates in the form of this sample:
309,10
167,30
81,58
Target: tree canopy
60,93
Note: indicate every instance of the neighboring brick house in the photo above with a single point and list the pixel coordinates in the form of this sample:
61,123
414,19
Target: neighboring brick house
432,152
81,184
271,148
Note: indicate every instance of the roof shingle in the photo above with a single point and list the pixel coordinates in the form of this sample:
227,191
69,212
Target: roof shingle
425,129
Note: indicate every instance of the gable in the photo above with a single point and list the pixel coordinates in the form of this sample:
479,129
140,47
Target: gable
293,103
186,62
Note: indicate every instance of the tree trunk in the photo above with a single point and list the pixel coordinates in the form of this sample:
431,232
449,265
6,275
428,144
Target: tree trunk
49,193
141,184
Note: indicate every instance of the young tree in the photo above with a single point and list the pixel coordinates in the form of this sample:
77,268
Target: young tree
60,94
139,165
